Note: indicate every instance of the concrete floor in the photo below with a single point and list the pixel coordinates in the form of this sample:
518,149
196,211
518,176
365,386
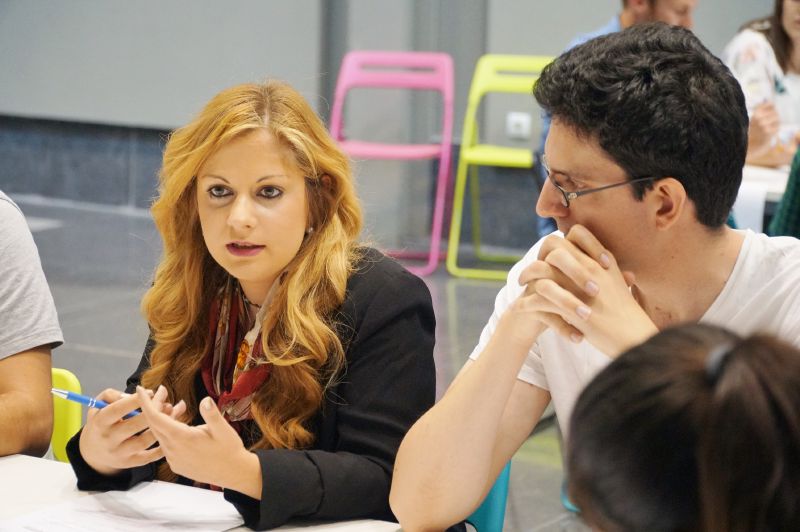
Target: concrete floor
99,262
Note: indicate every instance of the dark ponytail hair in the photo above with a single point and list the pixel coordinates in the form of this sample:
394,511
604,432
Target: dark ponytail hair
695,429
749,448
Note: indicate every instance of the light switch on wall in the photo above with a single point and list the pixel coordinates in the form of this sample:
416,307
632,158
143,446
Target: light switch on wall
518,125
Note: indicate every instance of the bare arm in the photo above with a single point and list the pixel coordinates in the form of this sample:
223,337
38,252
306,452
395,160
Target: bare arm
450,458
26,406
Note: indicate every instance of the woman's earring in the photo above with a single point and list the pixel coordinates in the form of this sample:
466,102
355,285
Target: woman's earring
309,231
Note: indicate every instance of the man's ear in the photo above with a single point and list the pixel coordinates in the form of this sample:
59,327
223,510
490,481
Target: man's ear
669,201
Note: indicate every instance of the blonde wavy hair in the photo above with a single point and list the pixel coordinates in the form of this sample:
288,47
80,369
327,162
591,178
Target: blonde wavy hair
299,333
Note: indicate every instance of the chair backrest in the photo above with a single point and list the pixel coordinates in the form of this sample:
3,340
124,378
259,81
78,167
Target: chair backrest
786,221
506,73
491,513
404,70
66,414
514,74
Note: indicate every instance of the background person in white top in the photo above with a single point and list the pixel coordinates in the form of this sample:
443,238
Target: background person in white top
765,58
28,331
647,143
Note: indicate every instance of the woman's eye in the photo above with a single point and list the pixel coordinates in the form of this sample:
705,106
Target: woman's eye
218,191
270,192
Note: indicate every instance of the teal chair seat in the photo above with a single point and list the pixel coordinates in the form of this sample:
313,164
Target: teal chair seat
491,513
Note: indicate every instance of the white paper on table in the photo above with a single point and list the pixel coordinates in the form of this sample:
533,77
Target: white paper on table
152,506
749,207
364,525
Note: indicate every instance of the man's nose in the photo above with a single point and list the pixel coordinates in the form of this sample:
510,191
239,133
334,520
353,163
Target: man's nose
551,202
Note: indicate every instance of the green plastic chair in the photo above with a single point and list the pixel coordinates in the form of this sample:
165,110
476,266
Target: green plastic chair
514,74
66,414
491,514
786,221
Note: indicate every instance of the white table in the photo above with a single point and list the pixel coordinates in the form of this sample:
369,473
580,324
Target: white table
773,179
761,189
30,484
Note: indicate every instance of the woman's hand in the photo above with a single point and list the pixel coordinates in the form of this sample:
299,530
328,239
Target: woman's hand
212,453
764,148
764,126
110,443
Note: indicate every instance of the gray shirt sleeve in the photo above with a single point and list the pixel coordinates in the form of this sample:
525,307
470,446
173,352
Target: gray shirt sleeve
27,312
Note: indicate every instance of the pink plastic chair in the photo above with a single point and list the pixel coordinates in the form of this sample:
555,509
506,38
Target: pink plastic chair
405,70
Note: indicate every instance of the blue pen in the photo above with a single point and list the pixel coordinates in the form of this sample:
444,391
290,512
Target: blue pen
91,402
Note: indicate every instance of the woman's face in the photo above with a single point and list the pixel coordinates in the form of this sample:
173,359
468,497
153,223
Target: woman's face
253,209
791,19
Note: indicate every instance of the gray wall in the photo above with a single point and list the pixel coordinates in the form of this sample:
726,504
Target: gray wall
152,64
148,63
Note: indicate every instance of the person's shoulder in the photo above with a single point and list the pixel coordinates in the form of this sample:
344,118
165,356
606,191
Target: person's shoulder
380,287
749,35
8,209
12,221
612,26
784,246
374,273
778,253
747,42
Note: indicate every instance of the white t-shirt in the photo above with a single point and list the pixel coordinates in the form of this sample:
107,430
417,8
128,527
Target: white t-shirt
27,312
762,294
752,61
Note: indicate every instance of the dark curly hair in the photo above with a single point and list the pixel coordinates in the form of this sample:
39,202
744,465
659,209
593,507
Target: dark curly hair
660,104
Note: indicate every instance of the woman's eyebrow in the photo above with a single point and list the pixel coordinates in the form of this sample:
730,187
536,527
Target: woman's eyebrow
262,178
272,176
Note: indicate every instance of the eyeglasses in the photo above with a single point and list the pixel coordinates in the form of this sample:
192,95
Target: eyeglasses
569,195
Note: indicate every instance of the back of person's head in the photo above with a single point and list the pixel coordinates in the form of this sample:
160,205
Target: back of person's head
661,105
695,429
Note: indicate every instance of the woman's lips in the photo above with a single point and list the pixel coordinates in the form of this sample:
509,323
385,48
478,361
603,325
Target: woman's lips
243,249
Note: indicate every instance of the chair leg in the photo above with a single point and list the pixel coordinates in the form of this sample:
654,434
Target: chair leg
475,208
455,233
437,220
434,254
455,222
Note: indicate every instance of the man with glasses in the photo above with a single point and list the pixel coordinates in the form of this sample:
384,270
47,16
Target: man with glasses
644,159
675,12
